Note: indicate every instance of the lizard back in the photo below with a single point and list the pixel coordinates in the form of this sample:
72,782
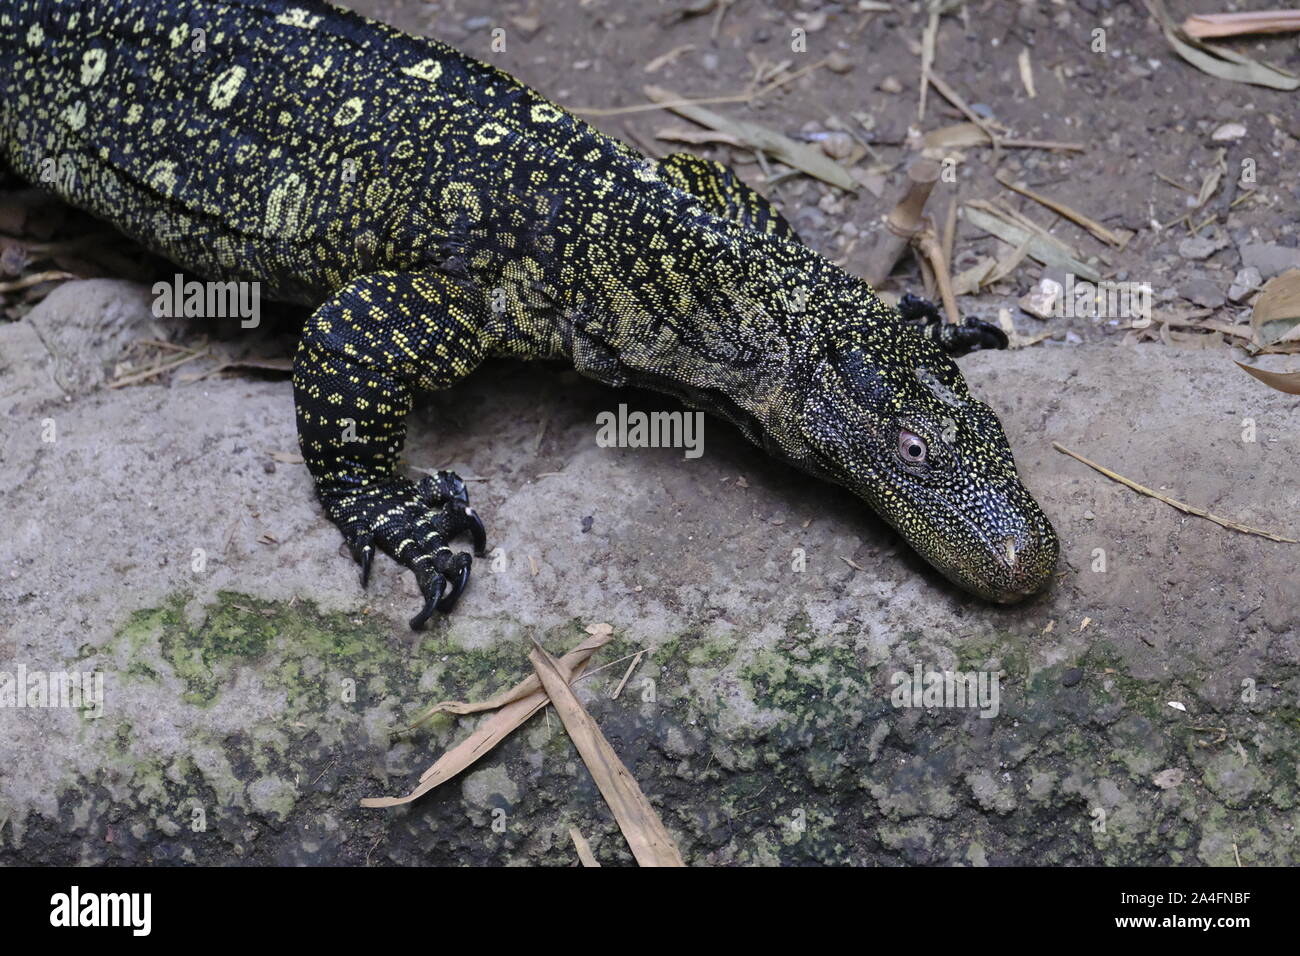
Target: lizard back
293,144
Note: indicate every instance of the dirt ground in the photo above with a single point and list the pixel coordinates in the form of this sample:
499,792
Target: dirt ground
1149,708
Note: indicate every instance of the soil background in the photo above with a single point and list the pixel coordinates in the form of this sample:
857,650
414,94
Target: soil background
1150,702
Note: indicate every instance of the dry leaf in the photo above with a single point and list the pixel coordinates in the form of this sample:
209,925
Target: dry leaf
1210,184
1042,248
1027,72
35,279
583,847
516,706
1288,382
957,136
961,135
644,831
1219,61
971,280
1202,25
1278,308
801,156
679,134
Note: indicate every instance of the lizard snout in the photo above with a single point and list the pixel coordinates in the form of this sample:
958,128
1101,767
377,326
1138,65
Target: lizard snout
1025,560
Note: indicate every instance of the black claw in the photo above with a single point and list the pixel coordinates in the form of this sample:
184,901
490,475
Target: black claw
432,601
365,556
477,531
456,488
457,586
957,340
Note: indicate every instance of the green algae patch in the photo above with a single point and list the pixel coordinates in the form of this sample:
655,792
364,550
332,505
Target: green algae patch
288,642
296,647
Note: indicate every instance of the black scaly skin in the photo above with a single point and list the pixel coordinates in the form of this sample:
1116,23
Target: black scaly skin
954,339
436,212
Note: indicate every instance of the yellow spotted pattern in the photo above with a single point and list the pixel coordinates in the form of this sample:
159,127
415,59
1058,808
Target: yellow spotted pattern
433,211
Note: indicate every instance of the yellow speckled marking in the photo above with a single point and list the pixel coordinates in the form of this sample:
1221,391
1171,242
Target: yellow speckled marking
297,17
427,70
489,134
350,112
92,66
224,87
162,177
545,113
284,207
75,115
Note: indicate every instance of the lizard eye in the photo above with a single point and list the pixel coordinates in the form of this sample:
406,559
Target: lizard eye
911,448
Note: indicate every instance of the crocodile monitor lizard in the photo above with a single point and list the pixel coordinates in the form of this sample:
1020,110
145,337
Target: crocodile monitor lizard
434,212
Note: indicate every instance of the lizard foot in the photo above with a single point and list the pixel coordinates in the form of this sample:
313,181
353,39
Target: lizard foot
413,524
972,334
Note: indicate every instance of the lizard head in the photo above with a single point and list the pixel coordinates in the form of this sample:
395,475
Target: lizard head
890,417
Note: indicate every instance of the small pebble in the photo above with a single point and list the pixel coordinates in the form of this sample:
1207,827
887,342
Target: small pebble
837,62
836,145
1204,292
1244,283
1228,133
1200,247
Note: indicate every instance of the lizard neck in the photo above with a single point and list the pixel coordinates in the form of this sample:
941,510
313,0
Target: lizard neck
728,323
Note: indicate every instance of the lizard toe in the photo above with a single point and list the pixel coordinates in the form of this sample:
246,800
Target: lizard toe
443,487
986,334
459,579
432,586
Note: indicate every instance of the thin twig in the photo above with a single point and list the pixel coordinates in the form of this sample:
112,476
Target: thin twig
36,278
734,98
955,98
156,370
1181,506
626,676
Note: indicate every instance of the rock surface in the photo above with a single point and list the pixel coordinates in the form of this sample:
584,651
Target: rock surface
249,683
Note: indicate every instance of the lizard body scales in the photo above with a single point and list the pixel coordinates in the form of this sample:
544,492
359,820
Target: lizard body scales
434,212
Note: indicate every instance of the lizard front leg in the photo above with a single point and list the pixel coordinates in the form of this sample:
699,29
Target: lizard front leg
362,354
